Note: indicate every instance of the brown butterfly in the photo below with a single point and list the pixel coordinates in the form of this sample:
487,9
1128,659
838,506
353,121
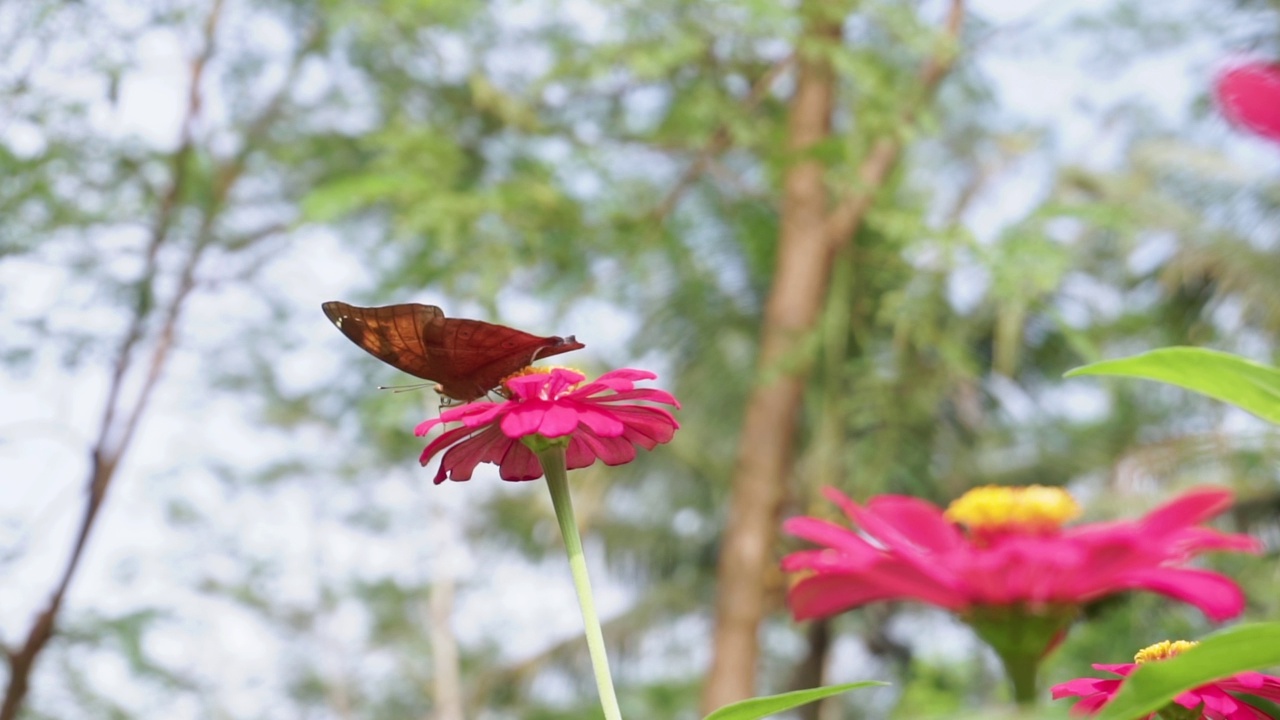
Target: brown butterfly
467,358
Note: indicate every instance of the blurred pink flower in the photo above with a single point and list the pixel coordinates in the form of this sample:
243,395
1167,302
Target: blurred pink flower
1218,703
906,549
1249,95
599,418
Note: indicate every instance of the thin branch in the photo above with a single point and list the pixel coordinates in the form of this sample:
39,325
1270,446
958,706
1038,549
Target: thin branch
160,231
115,436
875,168
720,140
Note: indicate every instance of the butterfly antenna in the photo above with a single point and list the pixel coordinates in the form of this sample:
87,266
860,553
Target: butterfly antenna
397,389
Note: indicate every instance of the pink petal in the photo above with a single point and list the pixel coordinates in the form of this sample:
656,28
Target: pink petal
826,595
525,418
543,386
1195,540
613,451
601,420
1219,702
1190,508
606,383
918,520
627,375
821,561
1249,96
645,394
830,593
652,422
560,420
1217,596
585,447
824,532
460,461
519,463
446,439
583,450
1083,686
425,426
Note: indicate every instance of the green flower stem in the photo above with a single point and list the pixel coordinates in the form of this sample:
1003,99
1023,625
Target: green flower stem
1021,638
553,466
1022,675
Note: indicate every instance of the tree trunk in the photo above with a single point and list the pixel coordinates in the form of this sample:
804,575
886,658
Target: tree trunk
813,228
768,431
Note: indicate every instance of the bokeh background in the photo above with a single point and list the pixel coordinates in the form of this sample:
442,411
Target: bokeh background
182,183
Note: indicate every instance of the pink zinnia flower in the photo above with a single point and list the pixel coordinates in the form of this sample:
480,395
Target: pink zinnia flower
600,419
1014,556
1249,95
1216,697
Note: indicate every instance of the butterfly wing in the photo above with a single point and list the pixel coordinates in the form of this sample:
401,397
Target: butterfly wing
466,357
482,354
398,335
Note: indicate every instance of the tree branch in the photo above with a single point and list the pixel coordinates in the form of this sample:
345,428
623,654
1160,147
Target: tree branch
720,140
114,434
875,168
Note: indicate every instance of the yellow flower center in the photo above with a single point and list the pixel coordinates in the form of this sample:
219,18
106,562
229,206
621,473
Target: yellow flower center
1163,650
1034,508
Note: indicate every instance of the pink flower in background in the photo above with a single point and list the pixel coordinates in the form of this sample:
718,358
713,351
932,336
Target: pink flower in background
1249,95
600,419
1015,554
1219,704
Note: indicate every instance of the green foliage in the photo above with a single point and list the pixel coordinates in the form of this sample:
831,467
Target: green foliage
763,707
1246,384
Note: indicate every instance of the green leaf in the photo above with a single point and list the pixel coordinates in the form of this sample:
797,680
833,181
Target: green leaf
1223,654
1230,378
763,707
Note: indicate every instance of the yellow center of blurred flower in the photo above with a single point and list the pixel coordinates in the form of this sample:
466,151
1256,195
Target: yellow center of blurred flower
1034,508
1163,650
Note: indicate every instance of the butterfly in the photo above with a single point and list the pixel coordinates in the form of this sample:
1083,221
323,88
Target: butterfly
466,358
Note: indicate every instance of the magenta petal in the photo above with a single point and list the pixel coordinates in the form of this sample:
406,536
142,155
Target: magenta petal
425,426
653,422
629,374
918,520
1217,596
829,593
1195,540
581,451
460,461
445,440
519,463
543,386
1190,508
833,535
602,421
559,420
623,378
615,451
525,419
645,394
1082,686
553,404
1250,97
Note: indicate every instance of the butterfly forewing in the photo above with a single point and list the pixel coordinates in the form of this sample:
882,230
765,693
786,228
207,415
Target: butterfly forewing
466,357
